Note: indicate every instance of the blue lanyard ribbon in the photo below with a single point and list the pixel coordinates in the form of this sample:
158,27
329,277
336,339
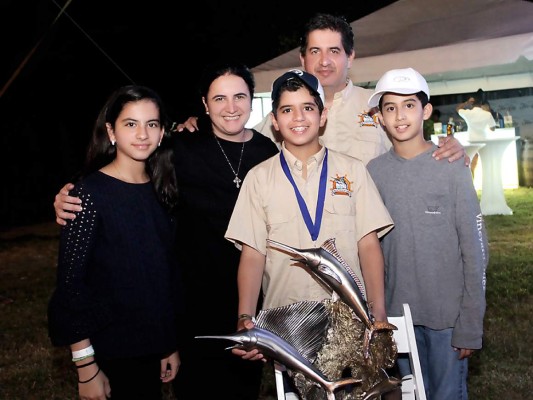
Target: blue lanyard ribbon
313,228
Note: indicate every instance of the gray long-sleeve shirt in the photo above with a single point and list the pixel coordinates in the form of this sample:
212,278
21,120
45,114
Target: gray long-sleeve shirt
436,255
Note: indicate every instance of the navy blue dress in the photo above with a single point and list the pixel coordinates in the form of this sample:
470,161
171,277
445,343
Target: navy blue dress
118,281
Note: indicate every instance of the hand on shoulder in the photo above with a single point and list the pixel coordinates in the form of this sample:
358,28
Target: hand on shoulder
191,124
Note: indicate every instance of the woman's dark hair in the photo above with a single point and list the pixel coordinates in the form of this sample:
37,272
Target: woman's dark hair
159,165
481,97
216,71
329,22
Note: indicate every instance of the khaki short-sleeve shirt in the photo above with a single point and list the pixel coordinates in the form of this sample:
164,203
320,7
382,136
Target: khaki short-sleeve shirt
267,208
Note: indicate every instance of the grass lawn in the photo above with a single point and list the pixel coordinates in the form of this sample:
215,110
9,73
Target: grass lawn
30,368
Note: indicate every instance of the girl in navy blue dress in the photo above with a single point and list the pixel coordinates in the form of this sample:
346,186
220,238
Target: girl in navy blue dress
117,299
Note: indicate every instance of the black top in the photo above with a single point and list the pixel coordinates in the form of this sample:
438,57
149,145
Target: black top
118,283
207,195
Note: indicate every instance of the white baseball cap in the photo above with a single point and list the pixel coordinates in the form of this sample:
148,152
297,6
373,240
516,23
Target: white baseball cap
402,81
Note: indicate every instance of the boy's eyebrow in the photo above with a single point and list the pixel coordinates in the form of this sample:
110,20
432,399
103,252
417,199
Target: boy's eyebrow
282,106
305,103
407,99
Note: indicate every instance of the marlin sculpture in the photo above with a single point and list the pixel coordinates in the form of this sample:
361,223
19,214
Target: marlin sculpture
388,384
329,267
303,325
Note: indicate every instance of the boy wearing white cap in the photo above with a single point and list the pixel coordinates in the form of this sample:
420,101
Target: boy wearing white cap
302,197
437,254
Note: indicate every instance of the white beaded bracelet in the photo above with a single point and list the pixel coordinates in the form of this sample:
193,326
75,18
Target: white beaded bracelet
82,358
79,355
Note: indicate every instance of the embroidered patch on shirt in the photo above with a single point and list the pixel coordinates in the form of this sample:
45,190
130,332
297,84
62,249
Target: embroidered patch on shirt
341,186
366,119
433,210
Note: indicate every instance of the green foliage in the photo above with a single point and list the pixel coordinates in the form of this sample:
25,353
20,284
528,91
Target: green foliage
30,368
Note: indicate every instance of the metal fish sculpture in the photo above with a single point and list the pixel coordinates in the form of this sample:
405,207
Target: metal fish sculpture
327,265
388,384
300,328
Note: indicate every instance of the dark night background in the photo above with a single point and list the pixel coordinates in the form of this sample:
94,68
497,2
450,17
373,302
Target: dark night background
48,108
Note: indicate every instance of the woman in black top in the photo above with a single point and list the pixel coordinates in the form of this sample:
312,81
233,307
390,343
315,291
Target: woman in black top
210,166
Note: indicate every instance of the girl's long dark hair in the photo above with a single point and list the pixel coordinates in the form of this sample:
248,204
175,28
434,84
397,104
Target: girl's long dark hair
159,165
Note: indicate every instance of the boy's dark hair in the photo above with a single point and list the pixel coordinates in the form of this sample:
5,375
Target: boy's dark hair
293,85
334,23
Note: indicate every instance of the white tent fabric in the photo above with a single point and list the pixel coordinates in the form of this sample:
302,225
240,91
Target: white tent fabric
458,45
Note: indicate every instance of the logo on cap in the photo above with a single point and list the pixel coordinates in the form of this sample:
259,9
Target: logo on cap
402,81
309,80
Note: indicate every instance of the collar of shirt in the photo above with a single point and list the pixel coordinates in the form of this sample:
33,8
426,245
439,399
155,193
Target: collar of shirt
312,162
345,93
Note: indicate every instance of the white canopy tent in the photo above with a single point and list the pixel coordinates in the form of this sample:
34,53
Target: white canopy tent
458,45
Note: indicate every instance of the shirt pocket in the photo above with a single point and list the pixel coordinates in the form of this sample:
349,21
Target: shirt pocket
369,142
339,221
281,224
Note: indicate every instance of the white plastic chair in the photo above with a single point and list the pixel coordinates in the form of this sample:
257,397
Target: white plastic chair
280,389
412,385
404,336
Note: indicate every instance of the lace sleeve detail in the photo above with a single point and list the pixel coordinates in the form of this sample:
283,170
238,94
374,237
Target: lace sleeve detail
73,311
76,242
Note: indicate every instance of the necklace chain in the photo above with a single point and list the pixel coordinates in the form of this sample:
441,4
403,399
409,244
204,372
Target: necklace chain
237,180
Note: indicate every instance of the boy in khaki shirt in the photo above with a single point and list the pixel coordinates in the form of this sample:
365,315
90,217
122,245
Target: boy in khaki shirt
333,188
